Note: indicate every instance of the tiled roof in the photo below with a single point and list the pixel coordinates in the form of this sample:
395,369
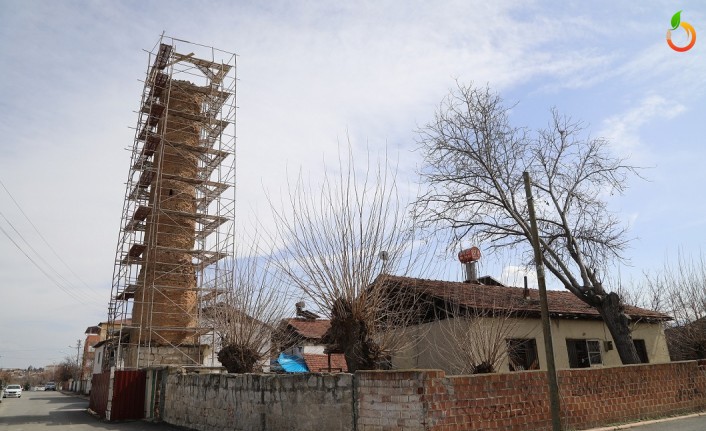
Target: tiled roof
312,329
562,303
319,363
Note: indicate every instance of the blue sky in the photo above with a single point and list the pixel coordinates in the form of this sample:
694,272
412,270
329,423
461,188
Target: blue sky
311,75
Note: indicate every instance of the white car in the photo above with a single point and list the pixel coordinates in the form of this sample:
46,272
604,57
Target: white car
13,391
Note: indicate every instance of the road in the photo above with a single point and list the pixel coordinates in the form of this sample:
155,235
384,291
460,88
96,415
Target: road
54,411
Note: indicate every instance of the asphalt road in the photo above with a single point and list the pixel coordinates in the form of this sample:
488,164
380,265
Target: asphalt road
37,411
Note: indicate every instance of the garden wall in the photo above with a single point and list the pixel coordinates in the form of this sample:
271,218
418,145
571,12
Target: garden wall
429,400
215,402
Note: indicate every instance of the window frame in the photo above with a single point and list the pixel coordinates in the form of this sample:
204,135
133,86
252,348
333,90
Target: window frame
528,346
591,347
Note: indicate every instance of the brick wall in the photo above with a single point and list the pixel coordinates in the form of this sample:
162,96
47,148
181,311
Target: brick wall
428,400
519,401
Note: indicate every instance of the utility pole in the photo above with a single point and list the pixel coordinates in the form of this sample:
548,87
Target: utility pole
546,324
77,376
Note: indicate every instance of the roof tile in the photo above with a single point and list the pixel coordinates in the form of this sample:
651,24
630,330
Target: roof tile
319,363
312,329
561,303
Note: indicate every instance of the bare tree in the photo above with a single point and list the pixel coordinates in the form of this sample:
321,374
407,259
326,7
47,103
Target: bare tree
474,161
476,341
338,237
245,315
682,287
67,369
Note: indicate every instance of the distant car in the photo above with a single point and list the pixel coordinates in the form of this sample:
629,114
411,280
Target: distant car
50,386
13,391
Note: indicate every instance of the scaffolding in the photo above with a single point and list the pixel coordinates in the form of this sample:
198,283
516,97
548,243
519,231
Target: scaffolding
176,238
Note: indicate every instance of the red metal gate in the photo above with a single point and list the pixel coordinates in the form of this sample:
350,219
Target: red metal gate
128,395
99,393
128,400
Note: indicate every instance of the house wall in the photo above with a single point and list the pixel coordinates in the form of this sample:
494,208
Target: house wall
437,345
99,357
430,400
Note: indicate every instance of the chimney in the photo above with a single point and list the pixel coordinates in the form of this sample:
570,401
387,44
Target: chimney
300,307
526,290
468,258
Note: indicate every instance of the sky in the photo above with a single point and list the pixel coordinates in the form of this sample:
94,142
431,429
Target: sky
313,75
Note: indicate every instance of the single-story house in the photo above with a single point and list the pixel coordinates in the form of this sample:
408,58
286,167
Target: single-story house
303,337
454,318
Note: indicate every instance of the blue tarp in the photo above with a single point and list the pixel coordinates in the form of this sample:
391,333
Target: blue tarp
292,364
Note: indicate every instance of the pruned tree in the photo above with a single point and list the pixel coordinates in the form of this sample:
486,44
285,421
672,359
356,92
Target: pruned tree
681,287
476,340
246,314
336,238
474,163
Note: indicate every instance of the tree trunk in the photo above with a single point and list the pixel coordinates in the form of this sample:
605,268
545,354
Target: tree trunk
617,322
360,351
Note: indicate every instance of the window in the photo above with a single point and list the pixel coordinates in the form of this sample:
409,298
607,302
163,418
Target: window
641,351
522,354
584,353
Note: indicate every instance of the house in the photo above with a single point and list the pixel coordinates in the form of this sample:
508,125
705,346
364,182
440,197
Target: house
455,321
101,336
303,337
92,338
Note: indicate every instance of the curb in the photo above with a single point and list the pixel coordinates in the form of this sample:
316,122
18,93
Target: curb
637,424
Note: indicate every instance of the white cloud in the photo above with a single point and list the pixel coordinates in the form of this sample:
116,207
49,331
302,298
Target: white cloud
514,276
623,130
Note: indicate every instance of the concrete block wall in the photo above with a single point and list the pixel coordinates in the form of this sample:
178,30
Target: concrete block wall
252,402
392,400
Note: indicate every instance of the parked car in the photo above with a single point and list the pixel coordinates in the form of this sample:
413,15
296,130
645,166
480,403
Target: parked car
50,386
13,391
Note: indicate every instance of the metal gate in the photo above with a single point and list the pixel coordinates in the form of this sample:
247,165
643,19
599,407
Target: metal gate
99,393
119,395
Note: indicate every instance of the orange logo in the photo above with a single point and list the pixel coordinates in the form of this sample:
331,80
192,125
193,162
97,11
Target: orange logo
690,32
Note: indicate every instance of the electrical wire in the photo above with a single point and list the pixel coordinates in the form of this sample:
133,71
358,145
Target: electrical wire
57,284
47,242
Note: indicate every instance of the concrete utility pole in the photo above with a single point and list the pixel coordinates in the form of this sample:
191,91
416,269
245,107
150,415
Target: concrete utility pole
546,324
78,359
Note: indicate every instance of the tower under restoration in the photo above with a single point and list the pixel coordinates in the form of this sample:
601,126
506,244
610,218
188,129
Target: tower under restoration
176,235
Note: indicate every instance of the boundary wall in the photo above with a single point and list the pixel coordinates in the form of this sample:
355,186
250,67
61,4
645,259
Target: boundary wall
416,400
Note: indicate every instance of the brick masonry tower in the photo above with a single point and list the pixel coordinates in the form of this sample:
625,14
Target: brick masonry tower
176,233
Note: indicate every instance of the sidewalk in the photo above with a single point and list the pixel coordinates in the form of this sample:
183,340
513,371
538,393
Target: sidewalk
653,422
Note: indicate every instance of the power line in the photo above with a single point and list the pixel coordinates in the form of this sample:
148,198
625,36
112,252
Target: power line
68,292
94,291
42,236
